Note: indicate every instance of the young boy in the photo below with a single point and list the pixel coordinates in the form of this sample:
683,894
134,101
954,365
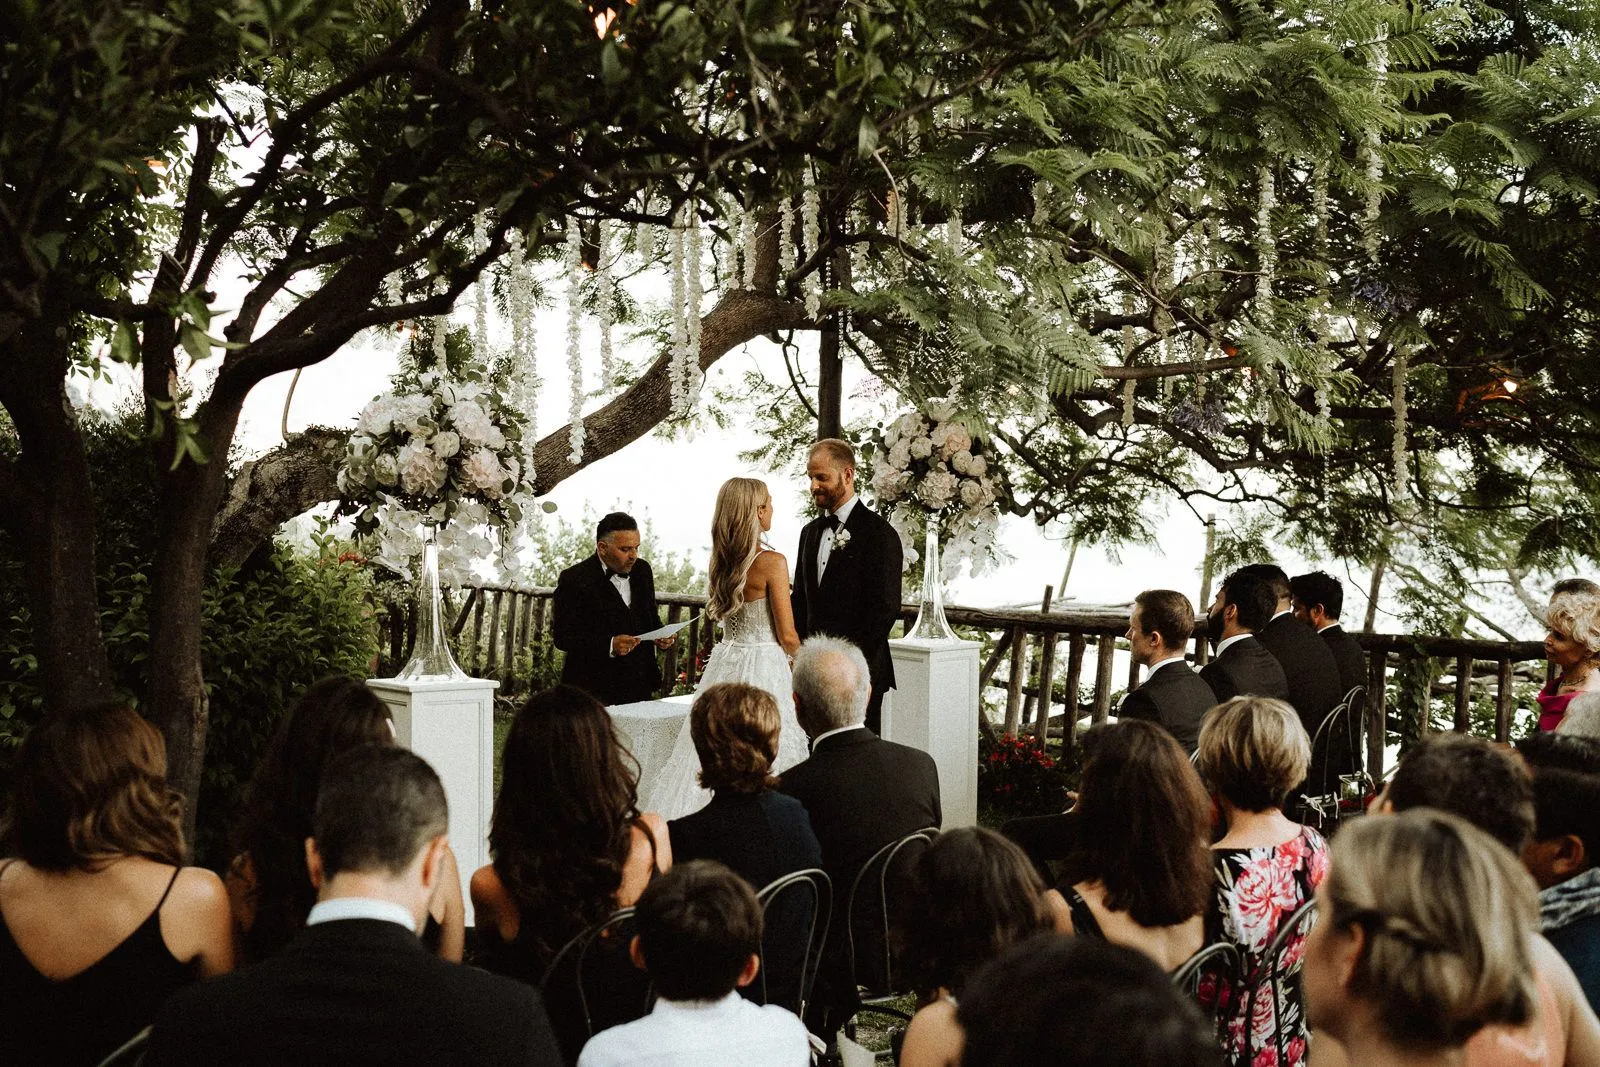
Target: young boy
700,940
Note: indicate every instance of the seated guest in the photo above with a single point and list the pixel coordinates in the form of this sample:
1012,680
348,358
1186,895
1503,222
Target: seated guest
1139,873
1315,688
1487,785
699,940
355,985
1575,585
861,792
1252,752
1318,599
975,896
1582,717
1565,847
1241,665
1172,694
760,834
1423,943
267,881
568,841
1572,645
100,922
1076,1002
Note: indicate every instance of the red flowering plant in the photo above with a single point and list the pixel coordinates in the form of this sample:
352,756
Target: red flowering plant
1016,776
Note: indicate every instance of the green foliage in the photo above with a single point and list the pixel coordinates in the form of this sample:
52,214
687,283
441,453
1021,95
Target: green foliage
284,619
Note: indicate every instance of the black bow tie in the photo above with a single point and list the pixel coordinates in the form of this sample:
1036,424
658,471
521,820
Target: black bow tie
610,574
833,522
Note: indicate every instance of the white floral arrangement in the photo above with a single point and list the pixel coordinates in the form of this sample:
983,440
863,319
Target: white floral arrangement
447,452
930,468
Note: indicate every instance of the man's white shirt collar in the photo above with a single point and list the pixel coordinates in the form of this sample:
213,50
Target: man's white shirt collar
1281,614
1222,646
844,510
1327,627
340,908
815,741
1156,666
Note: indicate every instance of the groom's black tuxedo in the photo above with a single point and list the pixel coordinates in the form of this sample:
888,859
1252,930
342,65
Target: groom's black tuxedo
589,612
858,596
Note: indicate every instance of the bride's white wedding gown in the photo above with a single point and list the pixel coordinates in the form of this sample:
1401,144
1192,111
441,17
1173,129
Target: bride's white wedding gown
748,653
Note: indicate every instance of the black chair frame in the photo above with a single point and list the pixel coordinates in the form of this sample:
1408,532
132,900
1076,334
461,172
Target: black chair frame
130,1053
875,874
1275,974
1220,955
575,955
821,915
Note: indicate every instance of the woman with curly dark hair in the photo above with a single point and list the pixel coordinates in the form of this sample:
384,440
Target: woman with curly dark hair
267,881
1139,874
100,921
974,894
568,840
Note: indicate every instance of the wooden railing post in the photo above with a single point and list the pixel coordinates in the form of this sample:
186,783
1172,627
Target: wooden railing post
1076,645
1019,651
1463,722
669,669
491,662
1105,649
1504,696
1028,695
1377,715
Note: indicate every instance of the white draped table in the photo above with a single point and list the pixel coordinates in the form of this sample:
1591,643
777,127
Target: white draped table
650,728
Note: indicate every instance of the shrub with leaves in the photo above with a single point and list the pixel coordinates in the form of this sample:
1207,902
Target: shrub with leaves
1018,777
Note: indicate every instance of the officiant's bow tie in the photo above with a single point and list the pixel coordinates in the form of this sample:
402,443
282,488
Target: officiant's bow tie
615,574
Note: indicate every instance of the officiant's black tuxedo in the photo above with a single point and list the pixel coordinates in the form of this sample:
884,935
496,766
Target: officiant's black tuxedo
858,596
353,992
589,612
1174,697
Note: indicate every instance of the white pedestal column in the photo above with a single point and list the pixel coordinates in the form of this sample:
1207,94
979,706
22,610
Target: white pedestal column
450,723
934,707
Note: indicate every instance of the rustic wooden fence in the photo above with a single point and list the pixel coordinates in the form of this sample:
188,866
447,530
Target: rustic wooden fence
502,632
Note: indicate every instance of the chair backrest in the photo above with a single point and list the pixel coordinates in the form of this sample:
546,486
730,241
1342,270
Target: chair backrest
1281,961
1221,958
130,1053
592,984
796,909
869,911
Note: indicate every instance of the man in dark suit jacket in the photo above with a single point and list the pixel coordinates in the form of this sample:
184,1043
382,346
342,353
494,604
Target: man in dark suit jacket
861,792
356,986
600,604
847,572
1242,665
1172,694
1318,599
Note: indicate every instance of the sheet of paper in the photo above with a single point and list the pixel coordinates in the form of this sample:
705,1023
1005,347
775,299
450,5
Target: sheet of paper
665,631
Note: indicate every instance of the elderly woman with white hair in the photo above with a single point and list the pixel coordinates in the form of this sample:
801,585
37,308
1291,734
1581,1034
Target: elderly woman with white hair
1572,645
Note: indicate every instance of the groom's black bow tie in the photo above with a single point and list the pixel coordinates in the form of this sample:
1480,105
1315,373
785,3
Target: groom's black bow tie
832,522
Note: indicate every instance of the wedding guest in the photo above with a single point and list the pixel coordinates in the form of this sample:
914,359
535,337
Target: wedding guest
759,833
568,841
1575,585
355,985
600,605
1172,693
1253,751
1583,716
975,895
1423,944
1488,786
100,921
1139,873
1563,853
268,883
699,940
1572,645
1077,1002
861,792
1318,599
1312,674
1241,664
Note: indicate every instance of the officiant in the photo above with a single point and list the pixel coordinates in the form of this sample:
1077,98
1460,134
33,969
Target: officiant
600,604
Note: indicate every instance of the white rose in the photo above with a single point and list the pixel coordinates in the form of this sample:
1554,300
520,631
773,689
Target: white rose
483,472
971,493
962,461
377,417
921,448
900,454
413,414
385,469
445,444
471,422
421,471
977,467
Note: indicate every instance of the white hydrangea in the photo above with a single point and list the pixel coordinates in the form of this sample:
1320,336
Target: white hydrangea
913,425
937,488
386,470
483,471
377,417
472,422
977,467
950,438
971,492
445,444
414,415
921,448
900,454
421,471
962,462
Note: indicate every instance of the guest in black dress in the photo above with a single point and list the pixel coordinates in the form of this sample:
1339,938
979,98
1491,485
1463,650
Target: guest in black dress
757,832
99,920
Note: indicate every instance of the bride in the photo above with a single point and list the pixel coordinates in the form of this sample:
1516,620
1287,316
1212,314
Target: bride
749,596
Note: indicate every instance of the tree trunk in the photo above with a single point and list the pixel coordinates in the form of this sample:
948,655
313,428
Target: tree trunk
47,502
1373,587
830,380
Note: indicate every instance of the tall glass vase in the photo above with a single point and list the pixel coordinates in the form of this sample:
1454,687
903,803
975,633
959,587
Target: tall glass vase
931,624
430,653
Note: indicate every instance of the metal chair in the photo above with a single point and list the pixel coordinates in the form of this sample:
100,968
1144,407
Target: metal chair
592,984
130,1053
868,924
1281,962
801,888
1331,800
1223,957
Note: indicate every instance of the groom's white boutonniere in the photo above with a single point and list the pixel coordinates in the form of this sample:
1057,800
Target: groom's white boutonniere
841,539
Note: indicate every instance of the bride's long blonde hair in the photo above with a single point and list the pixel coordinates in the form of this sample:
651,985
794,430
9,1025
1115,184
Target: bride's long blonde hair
735,543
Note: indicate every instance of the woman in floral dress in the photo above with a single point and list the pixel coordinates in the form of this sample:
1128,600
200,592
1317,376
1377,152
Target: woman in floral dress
1252,752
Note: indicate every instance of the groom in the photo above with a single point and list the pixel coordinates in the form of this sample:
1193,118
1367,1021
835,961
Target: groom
847,575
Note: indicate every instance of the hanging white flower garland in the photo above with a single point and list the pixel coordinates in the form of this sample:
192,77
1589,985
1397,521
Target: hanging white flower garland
1128,384
480,310
573,262
1266,243
749,224
677,367
520,305
811,230
1402,361
696,292
785,238
441,328
606,294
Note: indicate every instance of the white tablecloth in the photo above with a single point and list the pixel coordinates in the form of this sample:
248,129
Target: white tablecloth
650,728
